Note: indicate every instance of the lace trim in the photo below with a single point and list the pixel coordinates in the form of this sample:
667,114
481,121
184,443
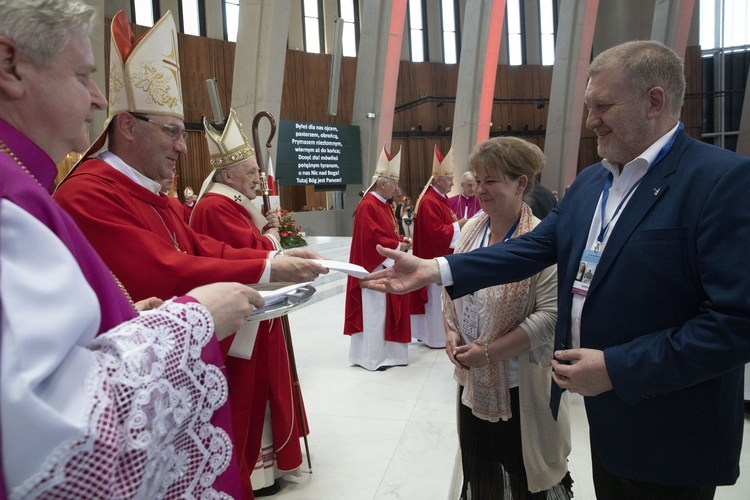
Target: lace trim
149,433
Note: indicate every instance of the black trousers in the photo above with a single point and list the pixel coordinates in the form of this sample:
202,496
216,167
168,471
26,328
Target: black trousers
611,487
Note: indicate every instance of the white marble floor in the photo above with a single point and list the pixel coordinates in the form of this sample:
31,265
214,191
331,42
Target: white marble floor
392,434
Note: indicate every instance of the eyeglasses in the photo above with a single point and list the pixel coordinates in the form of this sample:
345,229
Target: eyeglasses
172,131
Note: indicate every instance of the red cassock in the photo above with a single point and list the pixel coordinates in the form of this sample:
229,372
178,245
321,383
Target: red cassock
267,375
375,224
144,241
433,233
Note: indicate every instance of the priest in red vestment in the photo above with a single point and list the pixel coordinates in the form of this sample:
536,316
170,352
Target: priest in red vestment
465,204
265,417
115,197
436,231
378,323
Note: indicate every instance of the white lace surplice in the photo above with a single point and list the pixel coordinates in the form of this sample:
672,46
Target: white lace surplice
126,414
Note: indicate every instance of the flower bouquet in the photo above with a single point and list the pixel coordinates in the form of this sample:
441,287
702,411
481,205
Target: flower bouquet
290,232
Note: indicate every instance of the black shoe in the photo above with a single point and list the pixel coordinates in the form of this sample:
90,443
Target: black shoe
747,407
268,490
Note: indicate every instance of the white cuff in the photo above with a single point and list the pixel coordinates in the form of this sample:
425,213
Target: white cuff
276,244
446,277
266,276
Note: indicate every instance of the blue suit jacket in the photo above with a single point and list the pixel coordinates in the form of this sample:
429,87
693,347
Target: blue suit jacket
669,305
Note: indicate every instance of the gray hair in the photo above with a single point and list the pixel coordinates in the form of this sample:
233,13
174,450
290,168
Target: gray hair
646,64
467,175
382,181
217,174
40,28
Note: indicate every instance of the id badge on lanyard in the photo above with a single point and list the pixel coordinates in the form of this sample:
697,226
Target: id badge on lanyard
470,317
586,270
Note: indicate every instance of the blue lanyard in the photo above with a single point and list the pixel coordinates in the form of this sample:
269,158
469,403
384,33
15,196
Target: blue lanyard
484,237
608,184
507,236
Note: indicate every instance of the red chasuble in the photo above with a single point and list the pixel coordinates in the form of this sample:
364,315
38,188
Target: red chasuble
375,224
144,241
433,232
267,375
221,218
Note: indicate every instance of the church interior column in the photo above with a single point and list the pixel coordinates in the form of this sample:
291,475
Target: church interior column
480,49
259,58
671,26
381,36
575,37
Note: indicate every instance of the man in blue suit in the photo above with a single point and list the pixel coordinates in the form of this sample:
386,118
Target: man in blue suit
656,335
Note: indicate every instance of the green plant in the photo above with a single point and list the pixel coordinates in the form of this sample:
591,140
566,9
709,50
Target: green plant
289,232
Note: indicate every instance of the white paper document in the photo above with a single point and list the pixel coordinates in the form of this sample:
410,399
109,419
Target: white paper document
344,267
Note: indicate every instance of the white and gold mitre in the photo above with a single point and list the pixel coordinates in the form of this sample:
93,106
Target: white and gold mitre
144,74
388,165
442,166
229,147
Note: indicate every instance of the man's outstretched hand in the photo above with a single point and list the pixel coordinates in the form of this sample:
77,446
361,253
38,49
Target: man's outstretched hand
408,273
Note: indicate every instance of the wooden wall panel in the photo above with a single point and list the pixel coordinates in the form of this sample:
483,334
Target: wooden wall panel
542,84
200,59
306,84
587,153
424,80
292,197
194,167
195,96
317,69
403,120
346,91
288,97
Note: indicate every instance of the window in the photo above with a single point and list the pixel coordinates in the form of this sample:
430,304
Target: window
708,32
725,45
514,17
348,13
450,32
312,25
143,11
724,23
547,22
191,18
417,32
231,19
